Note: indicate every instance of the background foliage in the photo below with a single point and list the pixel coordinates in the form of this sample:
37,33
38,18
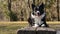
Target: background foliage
20,9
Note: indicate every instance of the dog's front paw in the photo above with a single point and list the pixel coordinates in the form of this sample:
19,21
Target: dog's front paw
35,25
43,25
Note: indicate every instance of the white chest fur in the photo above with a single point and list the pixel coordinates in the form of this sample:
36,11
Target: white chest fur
37,19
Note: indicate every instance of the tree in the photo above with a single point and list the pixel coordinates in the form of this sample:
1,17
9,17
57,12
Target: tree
13,16
58,8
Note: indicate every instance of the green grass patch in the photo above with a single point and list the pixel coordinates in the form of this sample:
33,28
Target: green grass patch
11,28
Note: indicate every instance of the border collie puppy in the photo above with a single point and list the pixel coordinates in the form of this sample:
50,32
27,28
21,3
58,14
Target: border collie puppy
37,16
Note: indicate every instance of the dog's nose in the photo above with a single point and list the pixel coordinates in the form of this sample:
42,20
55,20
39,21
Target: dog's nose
38,13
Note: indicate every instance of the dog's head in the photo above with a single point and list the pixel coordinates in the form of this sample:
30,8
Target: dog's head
38,10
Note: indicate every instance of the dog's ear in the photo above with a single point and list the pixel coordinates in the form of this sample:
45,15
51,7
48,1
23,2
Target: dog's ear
41,8
33,6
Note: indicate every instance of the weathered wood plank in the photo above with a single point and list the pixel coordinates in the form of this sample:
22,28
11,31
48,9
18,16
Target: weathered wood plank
44,30
27,30
39,30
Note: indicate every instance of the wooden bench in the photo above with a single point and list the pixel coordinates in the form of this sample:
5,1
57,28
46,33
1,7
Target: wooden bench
39,30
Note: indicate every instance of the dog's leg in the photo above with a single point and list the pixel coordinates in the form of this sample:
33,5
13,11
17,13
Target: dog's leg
30,21
44,20
44,24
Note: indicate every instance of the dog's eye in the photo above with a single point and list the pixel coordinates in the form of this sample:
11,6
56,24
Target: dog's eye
33,13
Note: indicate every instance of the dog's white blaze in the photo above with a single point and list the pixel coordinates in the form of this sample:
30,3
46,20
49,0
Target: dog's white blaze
37,11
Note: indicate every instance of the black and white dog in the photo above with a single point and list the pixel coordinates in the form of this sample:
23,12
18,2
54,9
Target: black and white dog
37,16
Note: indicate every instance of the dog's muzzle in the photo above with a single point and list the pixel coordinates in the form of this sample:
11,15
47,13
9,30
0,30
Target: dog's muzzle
38,13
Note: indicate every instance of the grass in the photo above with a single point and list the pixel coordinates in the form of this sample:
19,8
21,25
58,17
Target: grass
12,27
